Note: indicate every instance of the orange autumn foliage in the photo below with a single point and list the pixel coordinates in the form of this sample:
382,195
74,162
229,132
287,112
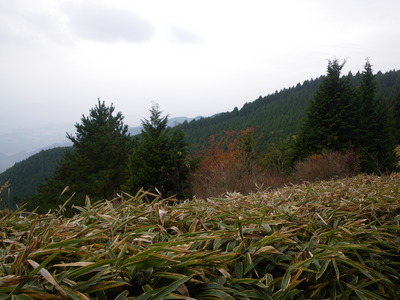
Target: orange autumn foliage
229,165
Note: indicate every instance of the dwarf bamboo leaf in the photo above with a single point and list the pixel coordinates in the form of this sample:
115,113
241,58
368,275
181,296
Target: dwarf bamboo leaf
34,272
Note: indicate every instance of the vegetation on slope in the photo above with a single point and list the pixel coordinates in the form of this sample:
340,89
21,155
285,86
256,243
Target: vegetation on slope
276,116
279,115
27,175
338,239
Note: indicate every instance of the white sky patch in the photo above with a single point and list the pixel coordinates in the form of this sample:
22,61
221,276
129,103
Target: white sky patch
98,22
181,35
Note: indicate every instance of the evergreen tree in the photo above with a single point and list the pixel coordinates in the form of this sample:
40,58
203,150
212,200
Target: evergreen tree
159,161
375,136
329,123
395,107
97,164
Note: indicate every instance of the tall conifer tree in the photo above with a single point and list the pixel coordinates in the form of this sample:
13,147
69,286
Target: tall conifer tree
97,164
375,135
159,161
395,108
329,122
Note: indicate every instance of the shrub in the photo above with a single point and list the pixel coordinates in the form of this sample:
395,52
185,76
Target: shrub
327,165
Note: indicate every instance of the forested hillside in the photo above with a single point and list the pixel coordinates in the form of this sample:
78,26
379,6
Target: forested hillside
25,176
274,117
278,115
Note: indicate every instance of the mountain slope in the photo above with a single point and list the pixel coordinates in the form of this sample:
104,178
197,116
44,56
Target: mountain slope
25,176
277,115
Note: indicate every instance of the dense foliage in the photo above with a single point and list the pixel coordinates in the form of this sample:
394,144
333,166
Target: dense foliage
328,240
97,163
330,121
395,107
375,133
159,159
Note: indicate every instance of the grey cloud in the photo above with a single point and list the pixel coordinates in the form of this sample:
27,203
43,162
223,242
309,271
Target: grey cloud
107,24
181,35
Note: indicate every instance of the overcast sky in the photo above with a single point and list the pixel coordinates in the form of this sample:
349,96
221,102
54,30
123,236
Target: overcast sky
191,57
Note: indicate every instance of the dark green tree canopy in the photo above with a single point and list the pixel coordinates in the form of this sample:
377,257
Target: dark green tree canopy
159,161
100,124
97,164
375,139
343,118
395,109
329,123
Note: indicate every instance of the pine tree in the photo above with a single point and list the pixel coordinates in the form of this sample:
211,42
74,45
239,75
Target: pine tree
159,161
97,164
329,122
375,135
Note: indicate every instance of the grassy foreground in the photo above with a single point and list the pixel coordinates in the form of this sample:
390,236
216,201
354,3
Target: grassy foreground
329,240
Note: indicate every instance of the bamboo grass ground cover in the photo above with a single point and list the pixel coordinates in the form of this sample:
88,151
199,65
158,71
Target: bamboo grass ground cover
328,240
